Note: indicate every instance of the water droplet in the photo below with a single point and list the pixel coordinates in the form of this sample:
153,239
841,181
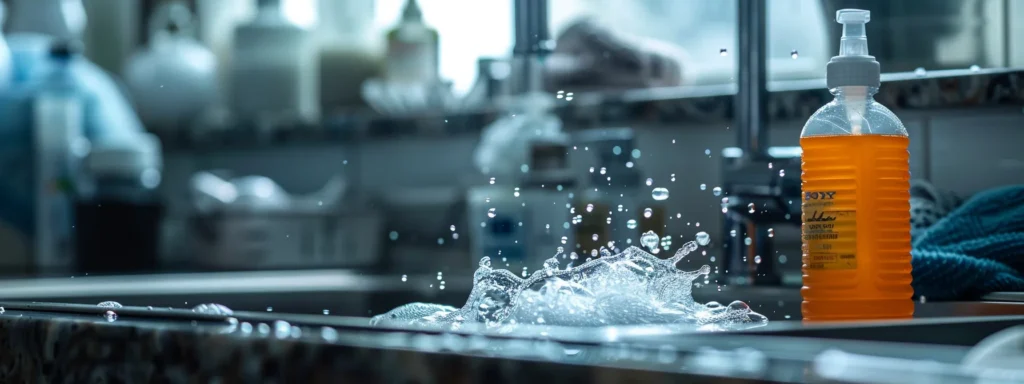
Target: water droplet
492,212
974,68
648,212
110,316
393,235
707,151
551,264
757,259
723,52
751,207
270,309
565,239
327,311
329,334
594,237
771,232
650,181
732,233
282,329
920,72
782,173
485,262
590,207
109,304
649,240
717,191
604,170
922,299
212,309
659,193
452,228
703,186
747,241
631,224
703,238
492,180
635,153
782,259
794,54
405,278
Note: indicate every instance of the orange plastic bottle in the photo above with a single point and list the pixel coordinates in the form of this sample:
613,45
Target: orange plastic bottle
856,195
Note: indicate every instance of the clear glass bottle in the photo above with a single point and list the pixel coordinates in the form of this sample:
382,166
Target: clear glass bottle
856,194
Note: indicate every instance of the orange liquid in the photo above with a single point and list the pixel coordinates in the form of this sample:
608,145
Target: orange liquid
856,228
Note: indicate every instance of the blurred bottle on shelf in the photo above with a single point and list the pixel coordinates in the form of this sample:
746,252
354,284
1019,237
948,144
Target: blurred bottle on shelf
274,68
412,49
347,55
62,19
174,79
118,212
5,53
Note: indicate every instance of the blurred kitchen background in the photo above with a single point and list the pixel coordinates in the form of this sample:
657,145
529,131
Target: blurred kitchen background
407,139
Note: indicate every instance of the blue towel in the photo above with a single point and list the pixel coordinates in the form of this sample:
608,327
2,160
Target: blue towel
976,249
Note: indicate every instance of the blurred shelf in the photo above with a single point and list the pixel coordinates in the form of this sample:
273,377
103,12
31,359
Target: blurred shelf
935,90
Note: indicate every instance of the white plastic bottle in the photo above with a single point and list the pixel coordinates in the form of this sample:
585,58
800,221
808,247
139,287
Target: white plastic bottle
412,49
174,79
6,67
274,67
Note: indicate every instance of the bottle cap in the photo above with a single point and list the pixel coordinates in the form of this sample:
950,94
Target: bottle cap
853,66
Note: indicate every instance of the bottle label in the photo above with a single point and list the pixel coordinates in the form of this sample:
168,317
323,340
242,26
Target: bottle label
829,232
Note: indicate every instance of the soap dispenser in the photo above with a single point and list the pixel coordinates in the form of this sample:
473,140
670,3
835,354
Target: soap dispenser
856,194
274,68
174,79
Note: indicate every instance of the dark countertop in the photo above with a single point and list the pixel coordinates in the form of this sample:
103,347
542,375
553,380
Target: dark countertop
75,343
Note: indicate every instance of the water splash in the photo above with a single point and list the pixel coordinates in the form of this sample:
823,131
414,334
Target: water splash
212,309
629,288
109,304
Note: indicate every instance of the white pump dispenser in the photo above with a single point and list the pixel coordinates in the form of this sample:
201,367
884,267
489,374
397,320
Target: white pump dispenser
854,70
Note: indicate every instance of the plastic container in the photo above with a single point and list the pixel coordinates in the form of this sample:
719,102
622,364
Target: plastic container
412,49
856,194
62,19
119,207
274,68
174,79
58,144
6,67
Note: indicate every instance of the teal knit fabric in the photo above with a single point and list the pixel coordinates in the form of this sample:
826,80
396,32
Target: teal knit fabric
976,249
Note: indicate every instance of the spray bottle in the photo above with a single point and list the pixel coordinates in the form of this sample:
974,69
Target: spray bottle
856,194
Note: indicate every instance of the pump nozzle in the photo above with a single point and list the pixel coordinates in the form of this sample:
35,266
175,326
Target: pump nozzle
853,66
855,39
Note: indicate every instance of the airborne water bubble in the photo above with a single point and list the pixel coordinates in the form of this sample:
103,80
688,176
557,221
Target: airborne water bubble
659,193
703,238
649,240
